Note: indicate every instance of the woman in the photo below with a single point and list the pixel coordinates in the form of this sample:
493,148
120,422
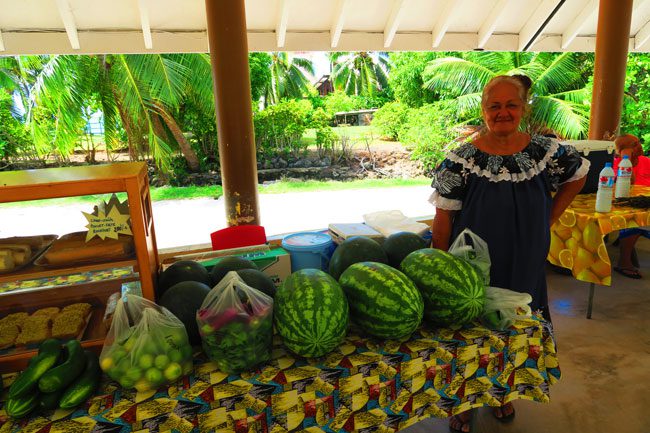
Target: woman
500,186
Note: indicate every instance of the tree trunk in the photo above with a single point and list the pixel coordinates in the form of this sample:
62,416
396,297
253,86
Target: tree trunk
133,136
186,148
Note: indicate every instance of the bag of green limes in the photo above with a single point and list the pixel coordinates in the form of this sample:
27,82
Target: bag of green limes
146,345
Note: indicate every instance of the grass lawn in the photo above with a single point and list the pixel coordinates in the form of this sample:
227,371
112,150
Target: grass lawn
356,133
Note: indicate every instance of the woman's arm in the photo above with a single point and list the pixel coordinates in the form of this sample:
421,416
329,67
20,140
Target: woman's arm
441,228
565,196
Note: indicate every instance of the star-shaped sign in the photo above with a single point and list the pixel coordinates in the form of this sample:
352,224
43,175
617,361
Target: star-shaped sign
108,224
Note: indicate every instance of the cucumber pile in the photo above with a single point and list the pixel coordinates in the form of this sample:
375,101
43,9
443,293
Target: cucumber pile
59,376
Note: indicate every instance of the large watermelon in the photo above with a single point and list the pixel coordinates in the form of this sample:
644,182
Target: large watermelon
452,289
383,301
354,250
311,313
401,244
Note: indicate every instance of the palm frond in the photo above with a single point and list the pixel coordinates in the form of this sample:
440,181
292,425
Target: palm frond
566,118
456,76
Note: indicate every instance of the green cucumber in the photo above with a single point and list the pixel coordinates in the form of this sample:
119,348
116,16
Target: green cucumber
50,401
61,376
85,385
48,353
18,407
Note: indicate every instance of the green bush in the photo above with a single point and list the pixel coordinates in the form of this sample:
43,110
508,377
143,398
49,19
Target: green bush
13,134
279,128
430,132
338,102
390,119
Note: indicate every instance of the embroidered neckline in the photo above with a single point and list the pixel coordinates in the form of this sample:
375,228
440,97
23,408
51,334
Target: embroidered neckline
520,166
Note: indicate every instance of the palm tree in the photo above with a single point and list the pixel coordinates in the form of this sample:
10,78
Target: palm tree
359,73
560,98
289,78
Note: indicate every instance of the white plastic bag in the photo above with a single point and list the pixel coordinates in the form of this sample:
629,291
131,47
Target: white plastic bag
388,222
236,325
146,345
474,250
503,306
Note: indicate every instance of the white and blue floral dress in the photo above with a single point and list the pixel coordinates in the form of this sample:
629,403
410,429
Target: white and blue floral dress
506,200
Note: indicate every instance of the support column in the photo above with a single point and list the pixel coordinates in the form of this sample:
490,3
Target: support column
612,41
227,38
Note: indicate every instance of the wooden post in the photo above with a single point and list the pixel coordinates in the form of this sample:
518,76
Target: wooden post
227,38
612,40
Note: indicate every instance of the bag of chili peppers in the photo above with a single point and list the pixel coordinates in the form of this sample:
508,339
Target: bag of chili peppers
236,325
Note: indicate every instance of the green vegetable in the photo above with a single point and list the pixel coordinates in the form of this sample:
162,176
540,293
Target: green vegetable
48,354
50,400
354,250
85,385
18,407
61,376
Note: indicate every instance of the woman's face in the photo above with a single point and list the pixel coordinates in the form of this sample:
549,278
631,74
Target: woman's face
503,109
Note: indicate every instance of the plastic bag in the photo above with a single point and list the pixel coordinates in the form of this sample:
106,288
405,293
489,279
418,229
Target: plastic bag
236,325
388,222
503,306
146,345
470,247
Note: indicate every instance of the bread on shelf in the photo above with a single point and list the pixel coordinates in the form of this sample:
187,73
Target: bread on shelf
8,334
68,325
73,248
35,329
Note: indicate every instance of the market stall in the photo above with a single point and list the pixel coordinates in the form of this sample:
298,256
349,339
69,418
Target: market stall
577,239
365,383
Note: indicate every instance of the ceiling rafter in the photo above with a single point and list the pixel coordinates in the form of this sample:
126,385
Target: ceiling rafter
281,28
529,33
65,11
587,14
393,22
444,20
640,38
144,22
2,44
490,23
337,26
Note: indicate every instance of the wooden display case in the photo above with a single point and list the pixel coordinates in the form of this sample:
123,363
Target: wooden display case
49,183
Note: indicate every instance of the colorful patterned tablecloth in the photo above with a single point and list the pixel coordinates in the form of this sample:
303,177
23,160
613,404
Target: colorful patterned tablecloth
67,280
365,385
577,238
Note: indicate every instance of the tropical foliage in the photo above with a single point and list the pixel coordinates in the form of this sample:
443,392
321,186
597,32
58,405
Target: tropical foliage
636,109
289,78
359,73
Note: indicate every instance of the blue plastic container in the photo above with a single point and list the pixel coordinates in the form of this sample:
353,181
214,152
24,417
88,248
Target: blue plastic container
309,250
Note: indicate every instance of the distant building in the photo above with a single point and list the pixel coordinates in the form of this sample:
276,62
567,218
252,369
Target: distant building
324,85
355,118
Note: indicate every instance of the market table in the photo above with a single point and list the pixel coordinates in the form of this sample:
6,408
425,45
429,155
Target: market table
577,238
365,384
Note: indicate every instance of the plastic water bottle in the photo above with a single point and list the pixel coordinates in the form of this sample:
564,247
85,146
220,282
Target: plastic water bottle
624,177
605,189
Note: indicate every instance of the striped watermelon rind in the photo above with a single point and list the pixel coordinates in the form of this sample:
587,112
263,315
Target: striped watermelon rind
453,291
383,301
311,313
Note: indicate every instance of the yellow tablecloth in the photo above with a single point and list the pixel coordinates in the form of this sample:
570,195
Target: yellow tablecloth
381,386
577,238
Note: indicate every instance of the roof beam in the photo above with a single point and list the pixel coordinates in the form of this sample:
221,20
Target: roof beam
337,26
572,30
281,28
393,22
530,32
68,21
642,36
2,44
490,23
144,22
444,20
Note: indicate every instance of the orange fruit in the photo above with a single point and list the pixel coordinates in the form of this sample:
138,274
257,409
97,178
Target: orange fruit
568,219
592,238
603,255
640,220
582,221
605,225
618,222
572,244
566,259
582,260
576,234
601,269
562,231
587,275
556,245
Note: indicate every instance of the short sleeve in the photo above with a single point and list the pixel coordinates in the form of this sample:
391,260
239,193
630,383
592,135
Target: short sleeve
449,184
568,165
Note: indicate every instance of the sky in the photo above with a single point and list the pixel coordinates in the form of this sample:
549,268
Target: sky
320,61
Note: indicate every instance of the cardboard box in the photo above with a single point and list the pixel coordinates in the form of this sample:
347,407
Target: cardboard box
276,262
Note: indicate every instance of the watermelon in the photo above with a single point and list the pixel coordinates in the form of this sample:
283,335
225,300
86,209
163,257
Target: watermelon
354,250
227,264
452,289
258,280
184,299
401,244
311,313
383,301
184,270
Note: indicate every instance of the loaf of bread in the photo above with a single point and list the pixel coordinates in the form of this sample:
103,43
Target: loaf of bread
8,334
7,262
35,329
15,319
73,248
68,325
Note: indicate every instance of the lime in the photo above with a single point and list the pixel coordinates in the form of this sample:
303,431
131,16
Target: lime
126,382
154,376
186,351
107,363
142,385
150,347
123,365
145,361
173,371
134,373
128,346
161,361
118,353
175,355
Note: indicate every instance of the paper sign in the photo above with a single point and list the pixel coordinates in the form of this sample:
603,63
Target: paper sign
108,220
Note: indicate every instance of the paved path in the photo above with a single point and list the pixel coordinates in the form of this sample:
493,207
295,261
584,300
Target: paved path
189,222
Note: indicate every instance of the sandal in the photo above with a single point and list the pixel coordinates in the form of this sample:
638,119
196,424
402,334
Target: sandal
630,273
504,418
460,423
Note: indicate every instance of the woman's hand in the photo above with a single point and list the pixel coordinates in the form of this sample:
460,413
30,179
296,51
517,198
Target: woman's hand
565,195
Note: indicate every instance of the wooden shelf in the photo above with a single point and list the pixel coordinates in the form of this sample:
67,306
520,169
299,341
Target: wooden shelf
34,272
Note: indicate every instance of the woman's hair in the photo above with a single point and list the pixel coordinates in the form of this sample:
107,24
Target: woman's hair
521,82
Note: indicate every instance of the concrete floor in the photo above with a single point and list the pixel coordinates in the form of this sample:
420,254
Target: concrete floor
605,361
